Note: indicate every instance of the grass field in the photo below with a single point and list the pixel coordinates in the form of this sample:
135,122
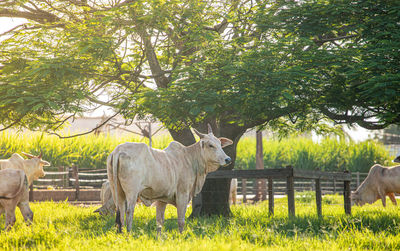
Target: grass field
61,226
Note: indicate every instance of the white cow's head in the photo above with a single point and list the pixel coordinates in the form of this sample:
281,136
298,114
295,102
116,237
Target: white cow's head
363,196
212,147
356,199
35,165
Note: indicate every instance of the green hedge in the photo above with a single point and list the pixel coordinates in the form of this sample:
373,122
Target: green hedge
91,151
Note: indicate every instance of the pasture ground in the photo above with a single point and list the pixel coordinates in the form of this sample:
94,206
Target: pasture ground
61,226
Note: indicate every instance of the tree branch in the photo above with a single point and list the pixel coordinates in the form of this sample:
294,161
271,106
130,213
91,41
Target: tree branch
84,133
40,17
357,119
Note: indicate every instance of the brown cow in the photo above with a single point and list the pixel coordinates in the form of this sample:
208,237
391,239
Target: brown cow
33,167
14,191
381,181
170,176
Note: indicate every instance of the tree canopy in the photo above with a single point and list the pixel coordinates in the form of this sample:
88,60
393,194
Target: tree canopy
245,62
237,64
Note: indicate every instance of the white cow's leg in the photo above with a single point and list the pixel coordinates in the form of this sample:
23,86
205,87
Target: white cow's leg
121,210
10,218
26,212
382,196
131,202
160,211
234,194
120,218
181,204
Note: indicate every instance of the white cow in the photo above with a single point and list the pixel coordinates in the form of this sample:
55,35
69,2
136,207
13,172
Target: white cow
14,191
170,176
33,167
381,181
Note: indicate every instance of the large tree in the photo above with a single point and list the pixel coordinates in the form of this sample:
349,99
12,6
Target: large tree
234,64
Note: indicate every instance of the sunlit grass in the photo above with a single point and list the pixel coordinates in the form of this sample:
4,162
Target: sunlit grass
61,226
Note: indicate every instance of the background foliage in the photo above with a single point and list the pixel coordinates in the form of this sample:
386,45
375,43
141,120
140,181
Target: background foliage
91,151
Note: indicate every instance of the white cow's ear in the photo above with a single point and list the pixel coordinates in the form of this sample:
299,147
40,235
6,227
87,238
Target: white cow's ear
45,163
225,142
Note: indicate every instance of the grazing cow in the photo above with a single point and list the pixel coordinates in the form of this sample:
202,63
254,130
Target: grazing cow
397,159
381,181
33,167
14,191
170,176
233,191
108,206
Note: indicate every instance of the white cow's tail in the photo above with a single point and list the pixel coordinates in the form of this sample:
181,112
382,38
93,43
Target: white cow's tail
115,165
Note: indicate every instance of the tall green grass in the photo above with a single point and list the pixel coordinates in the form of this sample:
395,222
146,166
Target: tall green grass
91,151
88,151
328,155
60,226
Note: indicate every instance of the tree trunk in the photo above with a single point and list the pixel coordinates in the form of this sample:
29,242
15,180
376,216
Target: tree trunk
260,183
214,197
184,136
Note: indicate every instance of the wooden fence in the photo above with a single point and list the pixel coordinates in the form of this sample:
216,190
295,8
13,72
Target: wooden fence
85,183
72,177
69,183
65,178
291,174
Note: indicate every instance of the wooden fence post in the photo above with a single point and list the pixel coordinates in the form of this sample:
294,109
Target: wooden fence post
358,179
318,196
334,186
69,183
65,177
346,195
270,196
61,182
290,192
76,177
244,190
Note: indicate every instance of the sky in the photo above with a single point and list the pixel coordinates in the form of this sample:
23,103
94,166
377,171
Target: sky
7,23
356,133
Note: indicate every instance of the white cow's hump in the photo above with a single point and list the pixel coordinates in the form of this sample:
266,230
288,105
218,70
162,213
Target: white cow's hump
131,146
16,157
174,146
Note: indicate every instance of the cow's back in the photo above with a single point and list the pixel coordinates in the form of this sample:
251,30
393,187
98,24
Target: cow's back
390,178
15,161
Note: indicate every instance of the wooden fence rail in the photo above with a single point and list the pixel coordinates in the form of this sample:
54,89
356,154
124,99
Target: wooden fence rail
279,181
